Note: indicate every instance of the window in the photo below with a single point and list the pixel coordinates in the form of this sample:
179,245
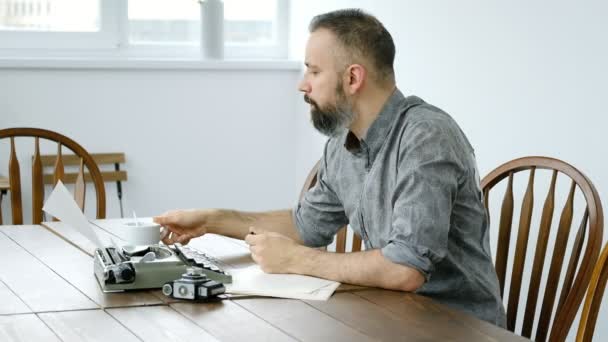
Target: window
50,16
252,28
58,24
164,21
255,26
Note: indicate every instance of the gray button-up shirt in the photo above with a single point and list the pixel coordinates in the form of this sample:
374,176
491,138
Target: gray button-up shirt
411,189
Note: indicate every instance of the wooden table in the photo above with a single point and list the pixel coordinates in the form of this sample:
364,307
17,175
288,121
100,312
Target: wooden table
48,293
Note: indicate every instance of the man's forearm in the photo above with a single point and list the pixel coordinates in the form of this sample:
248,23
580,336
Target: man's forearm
236,224
367,268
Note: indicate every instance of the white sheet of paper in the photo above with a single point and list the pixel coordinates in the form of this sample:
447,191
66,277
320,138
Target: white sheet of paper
61,205
253,281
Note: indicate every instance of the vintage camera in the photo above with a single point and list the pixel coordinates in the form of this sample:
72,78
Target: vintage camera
193,285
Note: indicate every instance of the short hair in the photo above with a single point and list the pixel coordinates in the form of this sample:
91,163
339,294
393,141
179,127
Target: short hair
361,35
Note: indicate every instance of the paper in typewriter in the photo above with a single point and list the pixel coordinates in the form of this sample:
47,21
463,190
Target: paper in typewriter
61,205
253,281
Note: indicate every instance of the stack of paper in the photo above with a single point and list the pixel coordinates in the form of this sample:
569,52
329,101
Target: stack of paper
253,281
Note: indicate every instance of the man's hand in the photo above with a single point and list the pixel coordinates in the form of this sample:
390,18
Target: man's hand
182,225
274,252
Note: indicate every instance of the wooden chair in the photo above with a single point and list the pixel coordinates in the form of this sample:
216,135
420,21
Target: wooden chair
593,300
311,180
72,160
577,275
37,176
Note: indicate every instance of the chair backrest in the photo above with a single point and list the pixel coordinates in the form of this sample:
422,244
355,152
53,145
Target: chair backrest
101,159
577,274
593,300
115,159
311,180
14,173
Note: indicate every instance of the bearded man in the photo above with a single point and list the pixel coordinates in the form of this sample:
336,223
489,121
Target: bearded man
398,170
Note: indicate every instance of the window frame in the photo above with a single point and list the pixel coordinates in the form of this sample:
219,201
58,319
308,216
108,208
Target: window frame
112,40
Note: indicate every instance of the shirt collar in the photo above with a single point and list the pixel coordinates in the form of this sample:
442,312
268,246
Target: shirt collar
377,132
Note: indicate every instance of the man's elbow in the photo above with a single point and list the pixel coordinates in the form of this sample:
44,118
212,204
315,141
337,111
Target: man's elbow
405,279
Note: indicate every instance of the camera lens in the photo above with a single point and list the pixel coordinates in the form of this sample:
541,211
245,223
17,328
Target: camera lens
167,289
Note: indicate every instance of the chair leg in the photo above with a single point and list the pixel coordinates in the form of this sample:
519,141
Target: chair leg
119,194
119,191
1,195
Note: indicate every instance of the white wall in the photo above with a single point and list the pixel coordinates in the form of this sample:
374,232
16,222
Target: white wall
193,138
521,78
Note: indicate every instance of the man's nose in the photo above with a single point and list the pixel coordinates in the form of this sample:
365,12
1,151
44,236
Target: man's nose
303,86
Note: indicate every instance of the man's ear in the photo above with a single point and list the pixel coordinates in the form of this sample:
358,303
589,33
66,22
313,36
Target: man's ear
355,77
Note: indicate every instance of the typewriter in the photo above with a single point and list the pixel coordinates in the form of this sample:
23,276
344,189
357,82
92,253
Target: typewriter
150,267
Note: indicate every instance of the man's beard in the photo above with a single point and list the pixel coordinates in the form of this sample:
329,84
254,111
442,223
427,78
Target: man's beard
331,120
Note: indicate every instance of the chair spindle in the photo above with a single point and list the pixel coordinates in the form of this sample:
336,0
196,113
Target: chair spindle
59,173
59,170
520,252
504,235
80,187
539,258
574,258
341,240
556,266
15,185
356,243
37,185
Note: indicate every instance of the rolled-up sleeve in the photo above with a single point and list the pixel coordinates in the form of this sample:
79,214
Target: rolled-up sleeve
320,214
428,173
